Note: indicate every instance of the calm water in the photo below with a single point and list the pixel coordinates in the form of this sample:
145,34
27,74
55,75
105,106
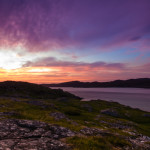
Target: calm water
134,97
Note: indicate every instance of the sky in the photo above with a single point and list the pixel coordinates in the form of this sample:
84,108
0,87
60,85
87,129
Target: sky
52,41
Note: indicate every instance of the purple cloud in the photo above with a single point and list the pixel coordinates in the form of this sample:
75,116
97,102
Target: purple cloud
46,24
53,62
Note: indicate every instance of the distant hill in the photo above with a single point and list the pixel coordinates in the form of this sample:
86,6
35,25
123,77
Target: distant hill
137,83
30,90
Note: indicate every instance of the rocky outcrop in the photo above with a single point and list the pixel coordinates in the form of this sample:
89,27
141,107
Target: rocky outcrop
140,142
32,135
32,144
137,141
59,116
118,125
110,112
91,131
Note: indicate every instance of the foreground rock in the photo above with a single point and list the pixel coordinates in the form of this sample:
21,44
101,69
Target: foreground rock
32,135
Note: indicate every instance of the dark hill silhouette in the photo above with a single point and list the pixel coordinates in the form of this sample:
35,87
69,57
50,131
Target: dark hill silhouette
137,83
30,90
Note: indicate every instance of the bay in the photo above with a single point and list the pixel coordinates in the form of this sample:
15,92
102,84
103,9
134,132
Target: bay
133,97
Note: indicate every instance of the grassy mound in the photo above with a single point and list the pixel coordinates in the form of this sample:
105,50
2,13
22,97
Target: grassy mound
30,90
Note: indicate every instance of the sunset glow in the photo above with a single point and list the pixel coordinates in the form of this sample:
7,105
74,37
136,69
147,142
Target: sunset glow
48,41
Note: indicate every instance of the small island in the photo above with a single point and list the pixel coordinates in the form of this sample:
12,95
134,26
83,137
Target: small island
36,117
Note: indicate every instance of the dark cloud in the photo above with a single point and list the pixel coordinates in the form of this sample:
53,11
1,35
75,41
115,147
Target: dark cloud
135,38
46,24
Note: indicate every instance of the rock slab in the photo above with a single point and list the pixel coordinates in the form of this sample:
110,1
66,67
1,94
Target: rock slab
32,135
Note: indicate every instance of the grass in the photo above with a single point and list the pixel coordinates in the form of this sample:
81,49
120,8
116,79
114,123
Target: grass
117,141
88,143
76,111
97,143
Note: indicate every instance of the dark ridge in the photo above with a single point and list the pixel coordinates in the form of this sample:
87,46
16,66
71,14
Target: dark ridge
30,90
134,83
